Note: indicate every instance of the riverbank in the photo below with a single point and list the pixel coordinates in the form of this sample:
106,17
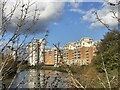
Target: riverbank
6,81
61,68
81,73
89,77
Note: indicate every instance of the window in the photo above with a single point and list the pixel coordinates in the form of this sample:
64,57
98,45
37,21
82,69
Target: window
87,60
87,49
87,63
78,57
87,54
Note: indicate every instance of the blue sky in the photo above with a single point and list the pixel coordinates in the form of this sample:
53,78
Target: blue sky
67,21
71,26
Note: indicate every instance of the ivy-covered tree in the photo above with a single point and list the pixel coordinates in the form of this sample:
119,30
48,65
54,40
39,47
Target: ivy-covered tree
108,51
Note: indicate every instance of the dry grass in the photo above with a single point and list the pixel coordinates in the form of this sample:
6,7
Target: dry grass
89,77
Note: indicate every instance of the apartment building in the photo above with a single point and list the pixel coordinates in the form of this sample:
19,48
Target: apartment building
80,52
52,57
84,42
36,51
82,56
14,53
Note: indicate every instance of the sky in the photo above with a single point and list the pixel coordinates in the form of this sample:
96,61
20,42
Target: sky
72,27
68,21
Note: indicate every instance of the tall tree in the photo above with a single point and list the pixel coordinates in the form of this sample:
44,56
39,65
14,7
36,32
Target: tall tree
108,51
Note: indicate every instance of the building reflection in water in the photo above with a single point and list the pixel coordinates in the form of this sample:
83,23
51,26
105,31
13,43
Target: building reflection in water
41,79
36,79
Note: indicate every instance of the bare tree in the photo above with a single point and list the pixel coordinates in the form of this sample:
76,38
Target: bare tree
115,14
23,27
117,4
76,83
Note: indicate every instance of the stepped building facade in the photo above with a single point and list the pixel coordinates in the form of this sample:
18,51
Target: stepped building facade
80,52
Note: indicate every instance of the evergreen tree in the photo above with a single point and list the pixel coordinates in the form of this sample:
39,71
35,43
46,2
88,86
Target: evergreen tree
108,51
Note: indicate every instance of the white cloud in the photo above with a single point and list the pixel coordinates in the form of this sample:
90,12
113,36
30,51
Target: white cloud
89,16
77,10
49,13
55,23
112,1
75,4
104,14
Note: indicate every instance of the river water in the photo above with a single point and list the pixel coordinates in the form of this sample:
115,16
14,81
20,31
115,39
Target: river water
33,78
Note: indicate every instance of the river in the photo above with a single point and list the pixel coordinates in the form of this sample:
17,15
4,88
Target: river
33,78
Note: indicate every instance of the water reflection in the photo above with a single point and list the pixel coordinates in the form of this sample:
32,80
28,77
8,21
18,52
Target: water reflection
41,79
